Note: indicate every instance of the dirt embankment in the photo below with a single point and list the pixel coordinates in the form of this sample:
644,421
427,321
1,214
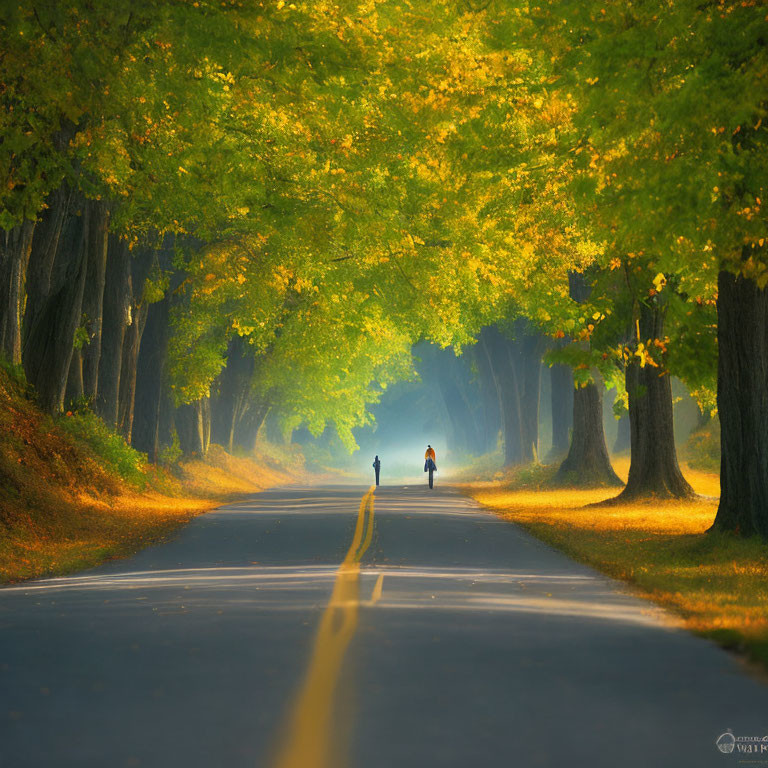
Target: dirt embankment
72,494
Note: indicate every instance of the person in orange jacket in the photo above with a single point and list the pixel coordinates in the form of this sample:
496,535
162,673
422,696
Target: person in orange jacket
429,462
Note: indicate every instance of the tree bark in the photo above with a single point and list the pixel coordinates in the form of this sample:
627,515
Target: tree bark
128,370
562,408
193,427
232,399
510,416
742,402
49,340
150,377
45,246
247,431
15,249
74,391
528,349
141,265
653,468
587,463
93,298
205,419
116,317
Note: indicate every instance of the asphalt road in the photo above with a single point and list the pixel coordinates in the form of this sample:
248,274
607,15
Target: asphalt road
320,628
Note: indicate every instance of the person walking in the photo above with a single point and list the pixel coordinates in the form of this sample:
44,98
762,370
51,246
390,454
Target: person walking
429,464
377,468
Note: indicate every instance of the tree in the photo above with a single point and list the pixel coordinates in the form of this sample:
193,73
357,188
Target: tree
348,181
561,392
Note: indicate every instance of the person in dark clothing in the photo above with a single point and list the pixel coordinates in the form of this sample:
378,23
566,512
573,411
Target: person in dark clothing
377,468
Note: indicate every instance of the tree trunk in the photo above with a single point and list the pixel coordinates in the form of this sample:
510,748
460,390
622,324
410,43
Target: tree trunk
193,427
150,373
229,437
653,468
491,417
742,402
516,366
509,395
510,415
128,369
497,349
528,349
247,432
45,246
472,406
189,429
587,463
115,319
247,429
562,408
74,391
141,265
238,411
205,419
232,398
93,298
15,249
623,436
48,342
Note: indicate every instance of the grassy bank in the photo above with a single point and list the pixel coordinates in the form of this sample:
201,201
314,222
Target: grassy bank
73,494
718,584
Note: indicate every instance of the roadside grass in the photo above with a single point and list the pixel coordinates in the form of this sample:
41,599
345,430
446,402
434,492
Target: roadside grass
80,531
73,493
91,433
717,583
221,474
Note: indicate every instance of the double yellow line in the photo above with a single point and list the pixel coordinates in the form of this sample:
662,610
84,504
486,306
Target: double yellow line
308,741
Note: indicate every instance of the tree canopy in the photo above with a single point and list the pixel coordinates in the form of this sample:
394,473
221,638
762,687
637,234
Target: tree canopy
331,183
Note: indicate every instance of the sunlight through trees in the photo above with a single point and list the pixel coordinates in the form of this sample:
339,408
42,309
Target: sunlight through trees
220,213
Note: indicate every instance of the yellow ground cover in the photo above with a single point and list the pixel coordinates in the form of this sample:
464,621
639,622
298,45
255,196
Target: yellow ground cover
80,529
84,531
717,583
67,503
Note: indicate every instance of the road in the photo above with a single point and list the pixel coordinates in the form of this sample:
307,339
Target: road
332,628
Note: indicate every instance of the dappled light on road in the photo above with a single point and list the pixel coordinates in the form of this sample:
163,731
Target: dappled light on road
454,589
315,638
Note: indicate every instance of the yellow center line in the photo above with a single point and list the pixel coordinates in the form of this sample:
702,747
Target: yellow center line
377,589
308,740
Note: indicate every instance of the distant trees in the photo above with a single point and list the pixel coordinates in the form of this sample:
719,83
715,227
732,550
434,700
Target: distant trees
196,233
